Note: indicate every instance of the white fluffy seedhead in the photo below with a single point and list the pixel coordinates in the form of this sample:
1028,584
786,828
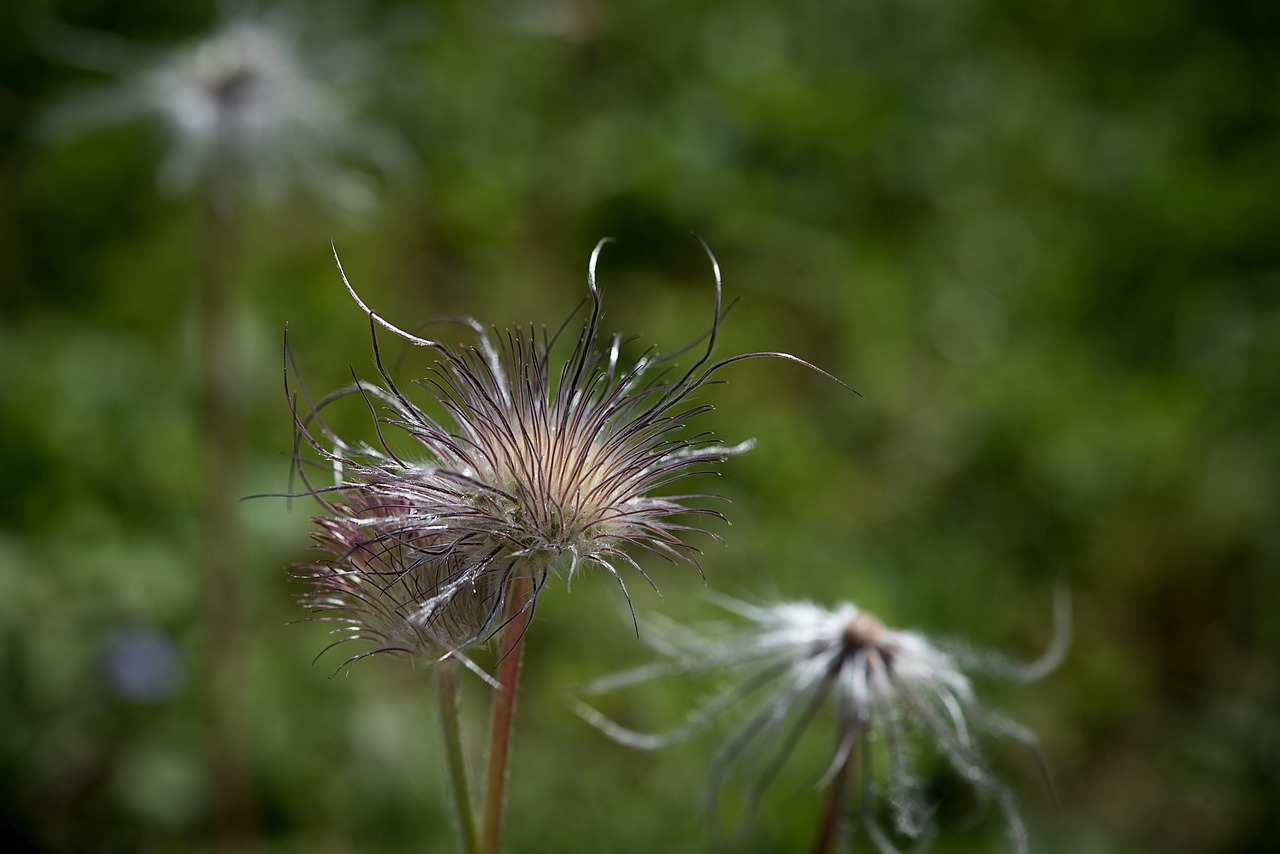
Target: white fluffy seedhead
884,688
253,104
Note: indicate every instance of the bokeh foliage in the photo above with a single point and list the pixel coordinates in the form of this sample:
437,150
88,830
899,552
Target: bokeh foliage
1040,238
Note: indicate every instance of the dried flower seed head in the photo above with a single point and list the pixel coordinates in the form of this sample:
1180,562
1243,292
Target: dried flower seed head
383,574
882,686
239,106
529,470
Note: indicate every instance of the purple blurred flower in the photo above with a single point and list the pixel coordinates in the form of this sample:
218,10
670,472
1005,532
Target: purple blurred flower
142,665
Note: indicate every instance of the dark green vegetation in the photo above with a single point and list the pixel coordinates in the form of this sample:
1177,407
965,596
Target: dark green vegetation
1042,239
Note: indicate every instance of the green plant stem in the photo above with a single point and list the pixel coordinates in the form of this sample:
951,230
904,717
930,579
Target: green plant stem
455,755
830,827
223,620
504,707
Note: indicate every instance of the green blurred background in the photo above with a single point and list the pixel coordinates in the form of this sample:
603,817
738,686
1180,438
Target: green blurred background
1042,239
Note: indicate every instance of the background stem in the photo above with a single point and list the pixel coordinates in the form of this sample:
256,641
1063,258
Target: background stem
504,707
222,600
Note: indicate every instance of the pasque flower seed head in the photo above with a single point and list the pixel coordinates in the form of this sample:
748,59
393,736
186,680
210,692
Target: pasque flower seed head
252,103
519,468
882,687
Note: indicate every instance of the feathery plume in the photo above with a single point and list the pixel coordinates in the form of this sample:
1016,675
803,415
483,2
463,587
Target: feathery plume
882,686
250,104
520,470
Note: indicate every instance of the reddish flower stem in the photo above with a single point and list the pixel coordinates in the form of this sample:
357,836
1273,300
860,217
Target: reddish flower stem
504,708
830,827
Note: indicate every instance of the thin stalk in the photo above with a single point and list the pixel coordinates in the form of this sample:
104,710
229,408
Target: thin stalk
455,755
830,827
504,708
222,598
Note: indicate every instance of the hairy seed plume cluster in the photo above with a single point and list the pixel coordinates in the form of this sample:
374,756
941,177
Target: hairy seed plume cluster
522,466
879,684
514,466
252,103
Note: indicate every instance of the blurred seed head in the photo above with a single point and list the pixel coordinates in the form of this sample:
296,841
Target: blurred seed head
522,465
885,689
252,104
